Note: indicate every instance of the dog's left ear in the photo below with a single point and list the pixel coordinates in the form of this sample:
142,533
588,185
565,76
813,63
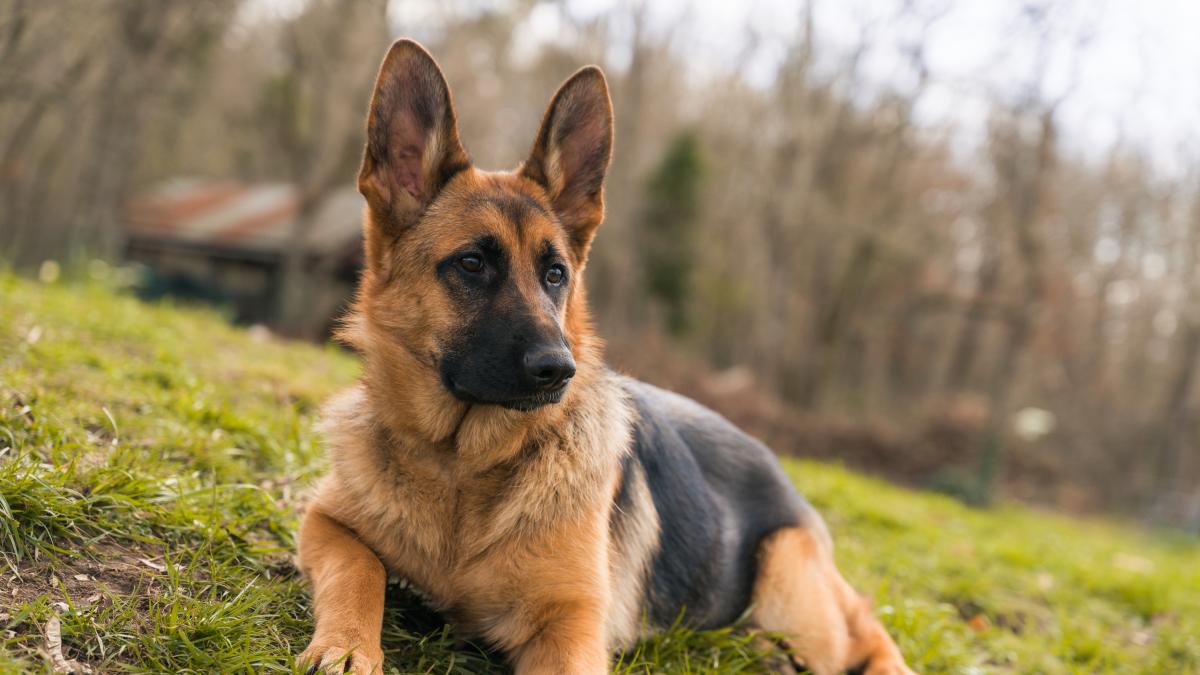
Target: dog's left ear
571,154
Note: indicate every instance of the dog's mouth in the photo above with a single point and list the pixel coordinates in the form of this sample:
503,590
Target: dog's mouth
523,403
538,400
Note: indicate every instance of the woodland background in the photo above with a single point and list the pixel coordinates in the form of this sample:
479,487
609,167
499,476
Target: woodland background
803,250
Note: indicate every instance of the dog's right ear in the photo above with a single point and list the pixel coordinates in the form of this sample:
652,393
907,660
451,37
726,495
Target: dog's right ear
413,148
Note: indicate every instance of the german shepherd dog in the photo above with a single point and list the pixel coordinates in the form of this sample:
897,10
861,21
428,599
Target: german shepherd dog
544,504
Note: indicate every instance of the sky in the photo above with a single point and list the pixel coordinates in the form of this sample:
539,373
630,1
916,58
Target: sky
1131,68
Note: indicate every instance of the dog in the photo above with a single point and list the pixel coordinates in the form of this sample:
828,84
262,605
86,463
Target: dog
543,503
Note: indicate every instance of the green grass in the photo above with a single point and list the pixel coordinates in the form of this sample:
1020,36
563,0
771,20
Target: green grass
151,459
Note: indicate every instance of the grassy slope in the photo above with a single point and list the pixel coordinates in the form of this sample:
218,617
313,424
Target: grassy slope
132,432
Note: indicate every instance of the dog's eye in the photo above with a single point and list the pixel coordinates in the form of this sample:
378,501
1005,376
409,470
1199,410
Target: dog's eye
554,275
471,263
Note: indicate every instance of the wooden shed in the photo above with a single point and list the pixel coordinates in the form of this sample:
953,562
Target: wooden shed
223,242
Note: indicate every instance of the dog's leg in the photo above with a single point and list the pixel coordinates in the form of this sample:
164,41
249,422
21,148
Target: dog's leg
570,642
799,592
348,584
558,626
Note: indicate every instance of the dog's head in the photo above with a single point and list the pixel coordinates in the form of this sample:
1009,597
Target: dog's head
475,277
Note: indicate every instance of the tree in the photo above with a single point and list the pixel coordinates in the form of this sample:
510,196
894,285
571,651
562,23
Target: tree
330,50
669,228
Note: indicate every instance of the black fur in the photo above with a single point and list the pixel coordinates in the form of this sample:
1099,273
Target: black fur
718,493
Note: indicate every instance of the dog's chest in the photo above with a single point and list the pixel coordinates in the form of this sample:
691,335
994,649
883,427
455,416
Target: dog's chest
462,524
436,525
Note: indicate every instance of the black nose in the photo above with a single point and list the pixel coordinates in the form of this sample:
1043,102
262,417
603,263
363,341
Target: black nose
549,367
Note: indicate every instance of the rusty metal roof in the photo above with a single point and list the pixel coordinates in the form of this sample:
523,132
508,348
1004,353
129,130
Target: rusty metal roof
257,217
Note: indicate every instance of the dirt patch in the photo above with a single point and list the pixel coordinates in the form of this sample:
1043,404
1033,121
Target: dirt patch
108,569
85,583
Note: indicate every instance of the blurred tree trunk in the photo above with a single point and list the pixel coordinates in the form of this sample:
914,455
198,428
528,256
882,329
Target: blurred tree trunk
789,209
320,145
1096,360
902,367
98,88
890,145
613,263
151,40
16,235
966,347
856,276
1176,423
1023,169
104,173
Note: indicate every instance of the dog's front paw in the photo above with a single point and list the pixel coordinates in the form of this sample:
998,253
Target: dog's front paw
340,656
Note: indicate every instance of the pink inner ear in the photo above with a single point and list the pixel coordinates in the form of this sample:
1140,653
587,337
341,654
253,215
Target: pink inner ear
408,163
407,144
583,154
579,152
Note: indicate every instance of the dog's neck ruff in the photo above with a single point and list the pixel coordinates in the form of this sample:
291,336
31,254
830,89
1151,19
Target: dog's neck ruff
534,469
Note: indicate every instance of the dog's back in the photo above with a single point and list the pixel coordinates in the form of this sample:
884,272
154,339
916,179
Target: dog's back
717,493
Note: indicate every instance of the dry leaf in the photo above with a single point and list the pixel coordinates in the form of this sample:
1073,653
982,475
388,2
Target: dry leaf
1045,581
54,646
153,565
979,623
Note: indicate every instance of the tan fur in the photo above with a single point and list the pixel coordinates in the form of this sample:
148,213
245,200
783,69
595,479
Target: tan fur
348,582
632,550
503,518
800,592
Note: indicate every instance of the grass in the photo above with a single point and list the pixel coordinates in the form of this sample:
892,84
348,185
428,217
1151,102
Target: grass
152,457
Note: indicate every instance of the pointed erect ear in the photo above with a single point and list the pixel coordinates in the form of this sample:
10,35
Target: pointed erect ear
412,137
571,153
